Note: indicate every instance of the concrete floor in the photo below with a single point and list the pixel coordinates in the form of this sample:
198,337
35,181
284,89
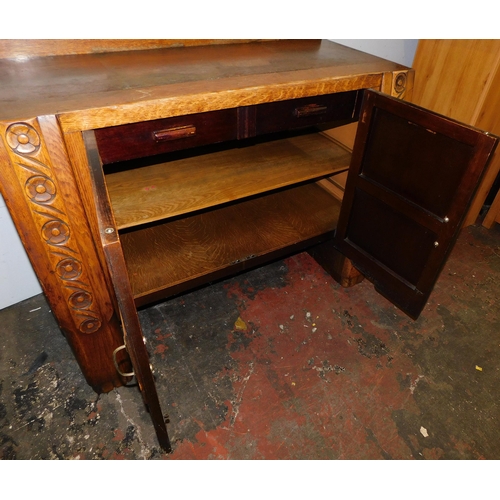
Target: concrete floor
278,363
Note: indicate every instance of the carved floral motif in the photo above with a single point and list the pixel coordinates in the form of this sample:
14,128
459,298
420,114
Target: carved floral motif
49,212
55,232
69,269
399,85
90,325
80,300
40,189
23,138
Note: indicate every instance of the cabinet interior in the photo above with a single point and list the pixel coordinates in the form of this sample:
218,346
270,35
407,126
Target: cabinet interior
189,217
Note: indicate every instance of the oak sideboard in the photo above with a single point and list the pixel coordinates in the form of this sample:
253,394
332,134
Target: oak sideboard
137,170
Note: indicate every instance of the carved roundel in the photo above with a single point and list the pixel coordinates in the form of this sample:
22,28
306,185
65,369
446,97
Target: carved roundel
69,269
400,83
90,325
22,138
80,300
55,232
40,189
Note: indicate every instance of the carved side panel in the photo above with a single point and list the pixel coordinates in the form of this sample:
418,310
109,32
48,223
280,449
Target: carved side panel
32,165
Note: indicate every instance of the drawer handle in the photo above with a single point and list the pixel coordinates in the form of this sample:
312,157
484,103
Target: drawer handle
171,134
310,110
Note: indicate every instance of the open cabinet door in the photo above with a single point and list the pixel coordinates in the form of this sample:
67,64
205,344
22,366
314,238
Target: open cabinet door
412,177
134,341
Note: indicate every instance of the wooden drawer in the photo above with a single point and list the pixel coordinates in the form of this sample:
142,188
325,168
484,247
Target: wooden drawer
135,140
307,111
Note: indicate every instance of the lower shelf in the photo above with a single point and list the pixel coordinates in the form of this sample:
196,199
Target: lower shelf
178,255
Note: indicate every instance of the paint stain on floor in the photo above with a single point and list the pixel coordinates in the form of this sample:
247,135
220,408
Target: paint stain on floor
278,363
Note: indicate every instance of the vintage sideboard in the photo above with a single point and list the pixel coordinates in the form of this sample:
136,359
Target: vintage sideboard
137,170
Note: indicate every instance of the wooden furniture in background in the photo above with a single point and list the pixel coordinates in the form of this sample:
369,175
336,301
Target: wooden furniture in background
461,79
493,214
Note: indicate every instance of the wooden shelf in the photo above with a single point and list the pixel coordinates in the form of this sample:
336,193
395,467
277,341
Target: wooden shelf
172,257
197,182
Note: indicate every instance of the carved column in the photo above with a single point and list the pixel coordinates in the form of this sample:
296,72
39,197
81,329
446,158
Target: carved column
41,193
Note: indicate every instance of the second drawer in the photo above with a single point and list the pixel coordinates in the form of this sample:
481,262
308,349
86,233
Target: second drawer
307,111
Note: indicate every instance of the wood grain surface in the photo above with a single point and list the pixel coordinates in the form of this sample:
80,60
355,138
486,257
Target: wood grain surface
169,189
16,48
99,90
461,79
163,256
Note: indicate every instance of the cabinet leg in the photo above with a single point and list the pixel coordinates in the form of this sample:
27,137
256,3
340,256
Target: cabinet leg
337,265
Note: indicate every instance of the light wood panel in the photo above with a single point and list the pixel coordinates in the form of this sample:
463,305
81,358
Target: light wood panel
452,76
461,79
173,188
162,259
493,214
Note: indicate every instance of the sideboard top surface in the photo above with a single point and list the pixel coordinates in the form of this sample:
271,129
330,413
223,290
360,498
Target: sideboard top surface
102,89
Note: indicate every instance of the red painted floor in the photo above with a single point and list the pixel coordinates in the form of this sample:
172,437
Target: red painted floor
278,363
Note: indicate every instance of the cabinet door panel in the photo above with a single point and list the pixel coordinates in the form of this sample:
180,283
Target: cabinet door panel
412,177
372,226
418,163
134,342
